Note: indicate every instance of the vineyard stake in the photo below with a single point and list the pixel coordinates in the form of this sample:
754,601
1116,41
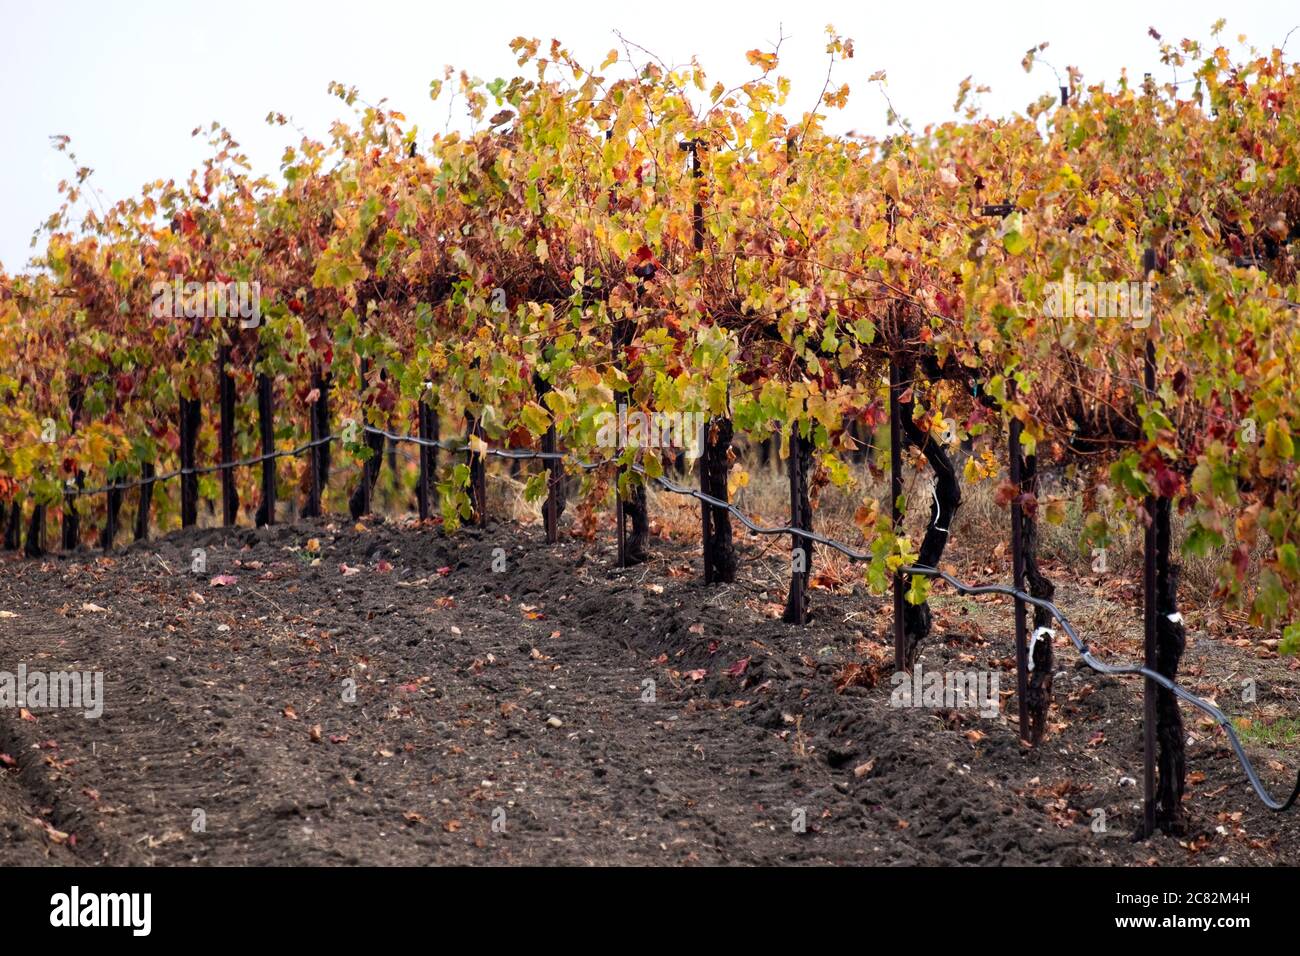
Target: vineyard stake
797,611
620,334
1149,603
692,147
1018,570
35,547
13,530
189,426
266,425
71,514
425,480
477,473
477,460
147,471
314,462
895,493
229,496
361,501
551,510
113,497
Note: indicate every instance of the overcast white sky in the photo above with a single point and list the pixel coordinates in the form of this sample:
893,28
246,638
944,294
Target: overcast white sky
128,81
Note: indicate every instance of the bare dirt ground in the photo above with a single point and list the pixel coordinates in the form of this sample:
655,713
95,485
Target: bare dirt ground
327,695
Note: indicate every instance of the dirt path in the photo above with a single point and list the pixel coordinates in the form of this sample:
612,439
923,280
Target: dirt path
320,695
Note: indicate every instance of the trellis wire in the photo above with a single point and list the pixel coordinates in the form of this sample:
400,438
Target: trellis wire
1084,651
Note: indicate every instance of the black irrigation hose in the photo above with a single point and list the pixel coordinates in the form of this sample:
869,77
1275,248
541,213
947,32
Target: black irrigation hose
510,454
206,470
1085,652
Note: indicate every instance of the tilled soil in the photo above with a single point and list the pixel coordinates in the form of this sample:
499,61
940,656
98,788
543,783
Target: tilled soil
320,694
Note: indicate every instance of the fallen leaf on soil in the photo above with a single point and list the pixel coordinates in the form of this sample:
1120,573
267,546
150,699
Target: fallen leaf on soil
223,580
314,733
444,571
94,608
25,714
738,668
854,674
7,761
290,712
451,826
974,736
313,545
339,738
56,836
347,571
383,567
410,816
862,769
696,628
7,614
697,675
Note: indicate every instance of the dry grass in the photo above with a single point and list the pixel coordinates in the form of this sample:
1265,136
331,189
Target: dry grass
979,545
981,532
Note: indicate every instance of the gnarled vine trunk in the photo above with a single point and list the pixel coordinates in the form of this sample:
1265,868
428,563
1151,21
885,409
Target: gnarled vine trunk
801,516
1041,664
947,499
715,463
1171,641
147,471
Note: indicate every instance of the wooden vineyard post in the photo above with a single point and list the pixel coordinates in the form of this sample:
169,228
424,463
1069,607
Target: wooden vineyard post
189,433
316,463
226,395
621,334
801,549
697,241
477,470
1149,604
427,426
71,531
360,504
554,473
477,459
319,429
35,546
551,514
798,592
13,528
114,499
312,508
266,429
895,493
71,527
147,472
1018,573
